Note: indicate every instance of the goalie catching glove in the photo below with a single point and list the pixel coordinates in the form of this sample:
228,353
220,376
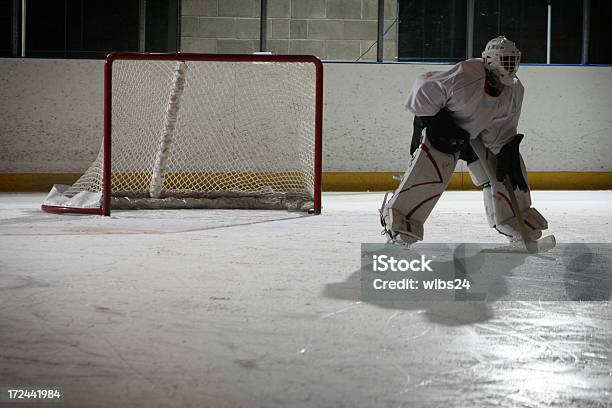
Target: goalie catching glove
509,164
443,134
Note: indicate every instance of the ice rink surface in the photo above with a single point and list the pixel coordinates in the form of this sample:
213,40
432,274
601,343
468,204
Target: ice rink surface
226,308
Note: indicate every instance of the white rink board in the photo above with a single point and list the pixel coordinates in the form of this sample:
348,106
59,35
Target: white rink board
51,116
565,116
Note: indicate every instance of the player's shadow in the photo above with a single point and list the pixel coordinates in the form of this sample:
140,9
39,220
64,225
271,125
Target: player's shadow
485,269
588,273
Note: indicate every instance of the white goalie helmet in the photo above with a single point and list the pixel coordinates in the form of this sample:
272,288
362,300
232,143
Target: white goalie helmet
502,58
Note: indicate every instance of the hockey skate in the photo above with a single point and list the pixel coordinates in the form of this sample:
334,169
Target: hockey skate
386,231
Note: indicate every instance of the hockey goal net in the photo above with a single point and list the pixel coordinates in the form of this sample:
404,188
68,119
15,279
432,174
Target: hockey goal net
204,131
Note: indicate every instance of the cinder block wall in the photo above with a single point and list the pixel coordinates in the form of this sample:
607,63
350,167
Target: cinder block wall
330,29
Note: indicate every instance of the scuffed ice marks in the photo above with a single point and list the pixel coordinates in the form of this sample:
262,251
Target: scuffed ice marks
529,354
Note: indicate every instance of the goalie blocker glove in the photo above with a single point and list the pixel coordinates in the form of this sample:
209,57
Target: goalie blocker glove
509,164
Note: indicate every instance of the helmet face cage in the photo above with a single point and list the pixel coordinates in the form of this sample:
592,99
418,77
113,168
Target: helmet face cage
509,63
502,58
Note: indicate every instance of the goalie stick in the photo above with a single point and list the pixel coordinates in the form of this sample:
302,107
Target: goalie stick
539,245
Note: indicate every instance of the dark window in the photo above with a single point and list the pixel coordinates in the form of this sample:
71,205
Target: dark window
566,30
162,26
81,28
45,28
431,30
522,21
98,27
600,34
90,28
6,28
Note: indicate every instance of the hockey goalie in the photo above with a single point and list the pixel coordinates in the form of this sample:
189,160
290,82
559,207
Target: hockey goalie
469,112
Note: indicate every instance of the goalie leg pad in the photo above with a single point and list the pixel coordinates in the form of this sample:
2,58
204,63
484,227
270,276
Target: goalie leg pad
534,221
420,188
477,173
498,206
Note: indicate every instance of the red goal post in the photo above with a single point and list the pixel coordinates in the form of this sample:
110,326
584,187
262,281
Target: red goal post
277,177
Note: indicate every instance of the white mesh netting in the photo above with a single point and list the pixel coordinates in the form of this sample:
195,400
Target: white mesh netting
210,134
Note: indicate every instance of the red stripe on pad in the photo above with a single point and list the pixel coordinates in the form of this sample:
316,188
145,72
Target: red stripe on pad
513,213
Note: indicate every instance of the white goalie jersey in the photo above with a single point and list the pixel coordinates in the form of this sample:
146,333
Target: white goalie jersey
460,91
